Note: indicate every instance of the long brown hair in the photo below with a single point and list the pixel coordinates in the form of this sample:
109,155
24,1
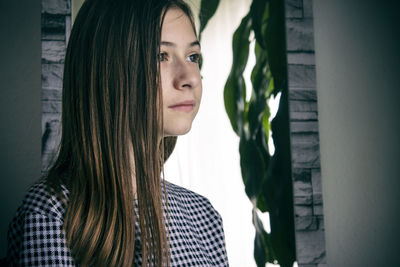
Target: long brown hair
111,132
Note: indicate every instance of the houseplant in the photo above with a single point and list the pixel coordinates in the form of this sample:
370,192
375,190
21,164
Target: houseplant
267,178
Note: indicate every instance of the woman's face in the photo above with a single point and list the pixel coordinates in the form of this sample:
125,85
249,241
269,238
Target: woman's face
180,73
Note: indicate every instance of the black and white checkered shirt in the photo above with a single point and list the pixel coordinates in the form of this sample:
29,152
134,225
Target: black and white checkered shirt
36,237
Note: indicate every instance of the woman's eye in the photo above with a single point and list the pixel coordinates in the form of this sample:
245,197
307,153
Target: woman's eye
162,56
195,58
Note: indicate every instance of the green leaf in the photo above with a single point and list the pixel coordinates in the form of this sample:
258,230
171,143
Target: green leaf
259,74
207,10
260,254
240,45
262,204
271,87
234,102
235,87
255,115
263,249
267,179
259,17
264,138
252,166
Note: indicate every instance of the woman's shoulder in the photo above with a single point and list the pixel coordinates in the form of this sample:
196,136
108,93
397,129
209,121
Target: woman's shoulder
41,199
178,195
195,226
177,191
37,229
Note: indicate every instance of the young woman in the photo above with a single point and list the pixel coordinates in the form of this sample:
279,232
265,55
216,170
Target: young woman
131,85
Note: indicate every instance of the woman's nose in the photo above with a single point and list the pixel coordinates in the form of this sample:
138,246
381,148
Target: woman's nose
186,75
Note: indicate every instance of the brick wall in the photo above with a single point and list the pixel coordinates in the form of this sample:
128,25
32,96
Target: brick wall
56,25
309,219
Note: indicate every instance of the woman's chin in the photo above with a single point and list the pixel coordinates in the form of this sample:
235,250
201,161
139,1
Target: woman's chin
177,131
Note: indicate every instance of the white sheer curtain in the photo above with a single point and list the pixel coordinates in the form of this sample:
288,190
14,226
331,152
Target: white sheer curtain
206,160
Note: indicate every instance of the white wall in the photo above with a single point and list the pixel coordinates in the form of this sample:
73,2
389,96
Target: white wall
358,83
20,106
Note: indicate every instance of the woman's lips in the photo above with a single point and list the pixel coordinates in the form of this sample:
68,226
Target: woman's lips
183,106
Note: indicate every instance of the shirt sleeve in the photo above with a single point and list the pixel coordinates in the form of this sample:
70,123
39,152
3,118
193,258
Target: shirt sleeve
216,239
35,239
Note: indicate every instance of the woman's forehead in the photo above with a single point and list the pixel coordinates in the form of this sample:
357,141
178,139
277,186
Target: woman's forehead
177,25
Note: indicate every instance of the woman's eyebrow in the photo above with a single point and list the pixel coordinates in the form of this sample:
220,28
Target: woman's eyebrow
166,43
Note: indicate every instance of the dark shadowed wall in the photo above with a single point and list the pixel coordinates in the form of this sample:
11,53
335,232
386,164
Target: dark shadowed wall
358,88
20,105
